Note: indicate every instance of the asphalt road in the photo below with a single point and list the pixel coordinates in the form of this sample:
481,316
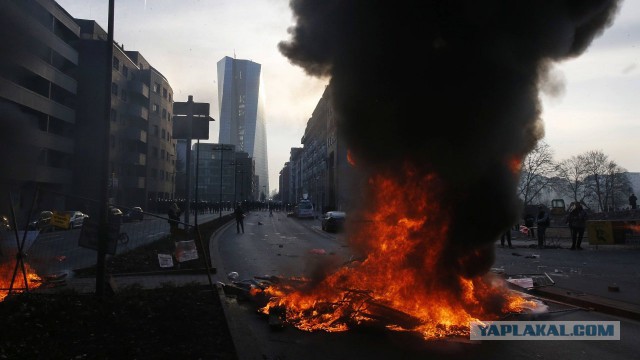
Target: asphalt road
285,246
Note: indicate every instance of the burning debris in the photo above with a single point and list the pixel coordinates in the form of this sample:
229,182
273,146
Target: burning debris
468,73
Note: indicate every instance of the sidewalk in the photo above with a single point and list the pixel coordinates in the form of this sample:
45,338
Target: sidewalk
603,277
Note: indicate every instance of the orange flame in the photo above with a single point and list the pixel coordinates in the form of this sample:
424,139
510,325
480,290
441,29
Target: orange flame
515,164
6,274
404,277
350,158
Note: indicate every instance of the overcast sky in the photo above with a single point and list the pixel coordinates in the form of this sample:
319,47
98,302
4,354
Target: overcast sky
598,109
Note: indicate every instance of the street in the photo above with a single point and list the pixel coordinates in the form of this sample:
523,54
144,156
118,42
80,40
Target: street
286,246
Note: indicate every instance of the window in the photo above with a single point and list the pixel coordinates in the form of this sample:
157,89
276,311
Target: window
164,113
114,115
123,95
116,63
155,108
164,93
125,71
169,96
114,89
155,152
155,130
156,88
163,134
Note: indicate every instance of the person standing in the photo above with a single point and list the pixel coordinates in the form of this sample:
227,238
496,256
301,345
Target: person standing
543,223
577,220
239,213
632,201
174,217
506,235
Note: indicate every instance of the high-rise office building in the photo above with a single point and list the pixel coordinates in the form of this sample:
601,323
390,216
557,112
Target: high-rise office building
241,99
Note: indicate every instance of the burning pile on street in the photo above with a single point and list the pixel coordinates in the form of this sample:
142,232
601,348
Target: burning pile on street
13,278
405,282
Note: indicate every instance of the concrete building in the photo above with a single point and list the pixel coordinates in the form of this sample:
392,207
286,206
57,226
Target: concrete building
224,175
38,94
320,170
241,99
141,148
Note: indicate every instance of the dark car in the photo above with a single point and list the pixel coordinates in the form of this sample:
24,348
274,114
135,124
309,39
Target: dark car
133,214
333,221
43,222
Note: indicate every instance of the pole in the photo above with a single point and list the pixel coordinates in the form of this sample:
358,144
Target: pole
187,209
195,216
103,233
235,182
221,160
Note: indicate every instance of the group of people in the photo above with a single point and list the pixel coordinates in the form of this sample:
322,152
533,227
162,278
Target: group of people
174,218
576,220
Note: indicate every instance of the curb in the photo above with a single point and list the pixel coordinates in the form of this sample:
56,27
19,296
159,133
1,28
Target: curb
592,302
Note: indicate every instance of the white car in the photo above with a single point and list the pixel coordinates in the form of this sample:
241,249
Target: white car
76,218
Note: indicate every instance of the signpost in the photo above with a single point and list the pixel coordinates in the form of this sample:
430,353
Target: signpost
190,122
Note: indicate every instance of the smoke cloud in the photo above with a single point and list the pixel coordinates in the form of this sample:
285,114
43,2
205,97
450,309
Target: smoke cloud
450,87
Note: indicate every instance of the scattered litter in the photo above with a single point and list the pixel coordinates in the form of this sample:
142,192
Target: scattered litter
497,270
186,250
516,254
233,276
259,223
526,283
61,258
532,256
317,251
614,288
165,260
280,245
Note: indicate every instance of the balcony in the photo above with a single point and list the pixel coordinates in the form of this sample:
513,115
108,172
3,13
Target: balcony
134,182
134,158
139,88
136,135
139,112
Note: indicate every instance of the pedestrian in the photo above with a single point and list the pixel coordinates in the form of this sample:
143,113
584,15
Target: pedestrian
528,222
506,235
174,217
577,220
632,201
543,222
239,213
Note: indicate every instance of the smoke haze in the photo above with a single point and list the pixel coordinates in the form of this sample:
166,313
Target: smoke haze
450,87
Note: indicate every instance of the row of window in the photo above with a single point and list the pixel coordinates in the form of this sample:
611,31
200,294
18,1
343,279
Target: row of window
165,93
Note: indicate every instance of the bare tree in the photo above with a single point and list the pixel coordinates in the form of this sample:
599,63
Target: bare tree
607,179
536,173
572,175
616,185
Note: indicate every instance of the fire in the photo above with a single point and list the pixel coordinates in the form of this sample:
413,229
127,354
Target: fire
6,274
405,281
515,164
350,158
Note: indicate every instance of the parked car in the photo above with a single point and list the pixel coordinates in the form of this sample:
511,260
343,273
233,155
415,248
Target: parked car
304,209
333,221
43,222
76,218
133,214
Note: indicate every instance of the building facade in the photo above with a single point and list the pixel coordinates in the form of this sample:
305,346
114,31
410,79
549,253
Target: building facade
241,99
320,170
141,147
223,175
38,94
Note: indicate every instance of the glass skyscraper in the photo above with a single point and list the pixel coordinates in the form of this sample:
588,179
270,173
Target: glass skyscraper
241,99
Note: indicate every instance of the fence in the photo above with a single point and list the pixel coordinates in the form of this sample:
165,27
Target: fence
52,243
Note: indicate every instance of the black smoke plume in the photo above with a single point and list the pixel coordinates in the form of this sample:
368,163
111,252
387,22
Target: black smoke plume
450,87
